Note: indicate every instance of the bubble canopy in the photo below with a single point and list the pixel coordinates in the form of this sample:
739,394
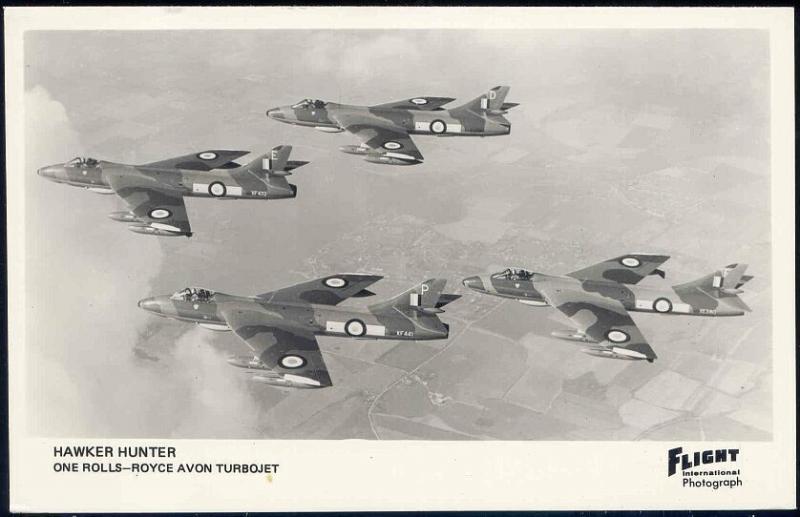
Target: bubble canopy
82,162
513,273
310,103
193,294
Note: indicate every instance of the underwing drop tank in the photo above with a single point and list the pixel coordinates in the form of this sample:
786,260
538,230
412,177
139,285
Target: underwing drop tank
392,159
285,380
161,232
124,217
249,362
616,353
570,335
354,149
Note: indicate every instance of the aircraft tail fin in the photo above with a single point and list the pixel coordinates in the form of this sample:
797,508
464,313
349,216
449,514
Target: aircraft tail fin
274,163
425,298
492,102
724,284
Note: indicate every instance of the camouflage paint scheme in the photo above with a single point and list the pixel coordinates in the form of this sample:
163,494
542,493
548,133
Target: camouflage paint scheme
597,299
281,326
154,192
385,129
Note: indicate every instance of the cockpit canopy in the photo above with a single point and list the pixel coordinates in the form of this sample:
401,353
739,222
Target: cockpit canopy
193,294
82,162
309,103
513,274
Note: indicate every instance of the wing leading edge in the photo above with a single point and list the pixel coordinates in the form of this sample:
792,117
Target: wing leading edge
417,103
625,269
329,290
202,161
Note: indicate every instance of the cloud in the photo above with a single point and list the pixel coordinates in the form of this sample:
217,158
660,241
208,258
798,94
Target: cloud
49,134
362,58
85,274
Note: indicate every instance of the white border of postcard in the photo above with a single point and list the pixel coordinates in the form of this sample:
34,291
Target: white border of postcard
410,475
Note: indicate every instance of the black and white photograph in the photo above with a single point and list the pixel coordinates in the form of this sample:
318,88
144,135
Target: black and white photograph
371,235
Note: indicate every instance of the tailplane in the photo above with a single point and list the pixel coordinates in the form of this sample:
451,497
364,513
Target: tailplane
491,103
425,298
724,284
274,163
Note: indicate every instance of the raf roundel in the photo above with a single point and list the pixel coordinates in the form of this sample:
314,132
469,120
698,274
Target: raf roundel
419,101
391,145
662,305
335,282
617,336
207,155
631,262
438,127
355,328
160,213
292,361
217,189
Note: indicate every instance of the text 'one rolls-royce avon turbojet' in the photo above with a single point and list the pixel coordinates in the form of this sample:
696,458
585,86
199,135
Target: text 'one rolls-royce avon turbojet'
154,192
385,130
281,326
597,299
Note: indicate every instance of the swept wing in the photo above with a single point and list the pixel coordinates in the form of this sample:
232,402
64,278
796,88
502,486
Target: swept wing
150,202
417,103
603,320
625,269
288,350
381,136
202,161
329,290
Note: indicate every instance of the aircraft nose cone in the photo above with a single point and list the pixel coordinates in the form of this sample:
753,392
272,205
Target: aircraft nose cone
473,282
47,172
276,114
150,305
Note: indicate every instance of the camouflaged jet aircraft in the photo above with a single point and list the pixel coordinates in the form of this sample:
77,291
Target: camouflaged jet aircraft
385,129
281,326
154,192
597,299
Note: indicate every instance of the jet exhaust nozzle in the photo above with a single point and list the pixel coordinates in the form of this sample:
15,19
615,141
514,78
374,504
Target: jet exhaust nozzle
124,217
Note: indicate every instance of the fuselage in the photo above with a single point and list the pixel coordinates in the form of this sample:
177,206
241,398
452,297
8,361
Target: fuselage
634,298
455,122
219,183
319,319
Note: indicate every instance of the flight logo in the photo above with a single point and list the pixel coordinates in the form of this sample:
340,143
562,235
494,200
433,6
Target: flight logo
711,468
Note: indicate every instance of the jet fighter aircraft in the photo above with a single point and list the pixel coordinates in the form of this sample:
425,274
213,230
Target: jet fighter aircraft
154,192
281,326
597,299
385,129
